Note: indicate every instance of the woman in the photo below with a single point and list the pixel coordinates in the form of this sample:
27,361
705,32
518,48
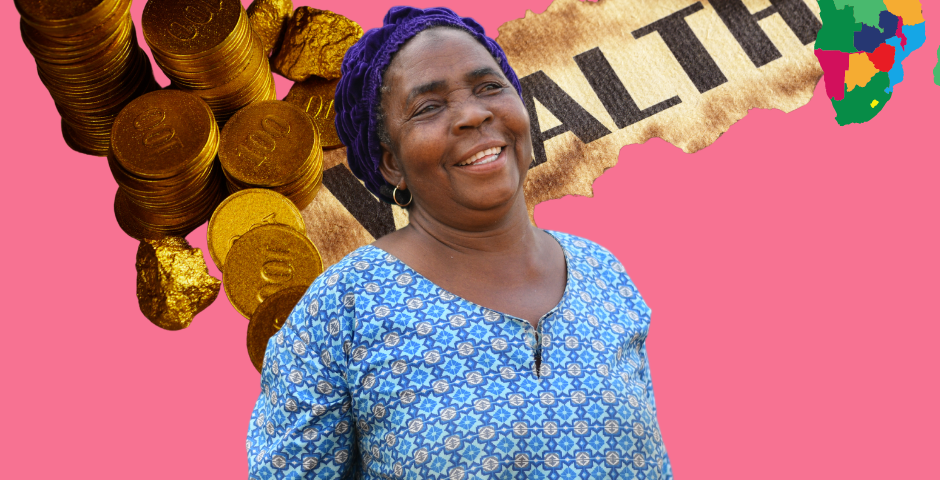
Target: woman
469,344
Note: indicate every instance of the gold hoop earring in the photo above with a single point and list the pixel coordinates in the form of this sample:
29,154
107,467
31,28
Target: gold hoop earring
395,198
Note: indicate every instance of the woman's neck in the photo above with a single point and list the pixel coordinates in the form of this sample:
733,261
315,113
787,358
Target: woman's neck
488,233
507,265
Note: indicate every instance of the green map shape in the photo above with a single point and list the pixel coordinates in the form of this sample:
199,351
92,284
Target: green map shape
839,27
856,107
866,11
936,70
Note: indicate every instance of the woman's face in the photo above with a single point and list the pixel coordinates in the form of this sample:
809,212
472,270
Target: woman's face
460,139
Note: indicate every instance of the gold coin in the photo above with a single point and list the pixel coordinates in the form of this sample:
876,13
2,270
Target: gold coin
268,318
209,48
189,27
71,18
267,259
160,134
74,141
315,96
51,11
266,143
141,224
244,210
212,68
126,221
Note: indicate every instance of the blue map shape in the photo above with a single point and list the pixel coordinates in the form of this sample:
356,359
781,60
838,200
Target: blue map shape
916,37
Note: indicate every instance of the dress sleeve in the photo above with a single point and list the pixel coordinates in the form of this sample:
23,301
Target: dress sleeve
640,312
302,425
651,401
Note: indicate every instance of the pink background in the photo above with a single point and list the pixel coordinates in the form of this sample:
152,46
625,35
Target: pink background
791,268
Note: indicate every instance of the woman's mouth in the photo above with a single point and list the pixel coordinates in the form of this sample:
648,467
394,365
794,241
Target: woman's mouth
481,158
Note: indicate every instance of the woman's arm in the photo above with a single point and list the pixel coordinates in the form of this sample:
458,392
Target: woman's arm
302,424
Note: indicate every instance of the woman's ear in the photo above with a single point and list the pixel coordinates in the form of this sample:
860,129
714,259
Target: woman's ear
390,168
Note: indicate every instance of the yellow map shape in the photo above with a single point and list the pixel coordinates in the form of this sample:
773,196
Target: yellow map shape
860,71
909,10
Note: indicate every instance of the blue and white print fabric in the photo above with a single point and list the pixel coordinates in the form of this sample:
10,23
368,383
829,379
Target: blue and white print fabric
379,373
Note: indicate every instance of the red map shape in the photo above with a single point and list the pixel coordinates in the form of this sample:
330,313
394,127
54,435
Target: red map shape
882,57
834,65
900,33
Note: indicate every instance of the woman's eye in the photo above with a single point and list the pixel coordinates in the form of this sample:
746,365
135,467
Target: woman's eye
425,109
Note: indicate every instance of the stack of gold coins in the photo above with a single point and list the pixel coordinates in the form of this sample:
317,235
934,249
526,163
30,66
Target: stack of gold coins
257,237
88,58
163,150
275,145
208,48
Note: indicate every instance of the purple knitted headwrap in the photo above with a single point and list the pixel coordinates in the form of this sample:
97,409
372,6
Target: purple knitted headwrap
363,66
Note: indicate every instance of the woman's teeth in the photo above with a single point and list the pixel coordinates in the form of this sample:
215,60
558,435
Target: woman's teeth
487,156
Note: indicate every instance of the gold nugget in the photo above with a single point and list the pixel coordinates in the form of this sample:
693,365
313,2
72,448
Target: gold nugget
268,318
268,20
244,210
315,96
267,259
173,283
314,44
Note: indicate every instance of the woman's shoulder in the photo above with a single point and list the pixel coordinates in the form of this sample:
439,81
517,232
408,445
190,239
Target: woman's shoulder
332,295
348,271
591,264
366,264
580,250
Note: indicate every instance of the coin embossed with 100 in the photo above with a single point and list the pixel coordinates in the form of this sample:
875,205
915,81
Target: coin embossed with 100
267,259
273,144
316,96
163,148
208,48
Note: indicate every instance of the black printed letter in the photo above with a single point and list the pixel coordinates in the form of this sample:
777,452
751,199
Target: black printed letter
687,48
374,215
573,117
613,94
743,25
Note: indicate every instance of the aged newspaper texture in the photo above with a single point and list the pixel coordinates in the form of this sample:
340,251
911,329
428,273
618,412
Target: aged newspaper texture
599,76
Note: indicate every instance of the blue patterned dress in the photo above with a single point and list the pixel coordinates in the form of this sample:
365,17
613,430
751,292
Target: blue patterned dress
379,373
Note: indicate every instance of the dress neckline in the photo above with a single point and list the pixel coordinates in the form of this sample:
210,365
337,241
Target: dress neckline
484,309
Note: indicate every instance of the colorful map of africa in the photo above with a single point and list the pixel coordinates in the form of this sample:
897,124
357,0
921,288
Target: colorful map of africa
861,47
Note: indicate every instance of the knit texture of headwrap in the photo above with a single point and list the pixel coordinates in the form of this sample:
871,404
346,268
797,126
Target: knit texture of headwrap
363,66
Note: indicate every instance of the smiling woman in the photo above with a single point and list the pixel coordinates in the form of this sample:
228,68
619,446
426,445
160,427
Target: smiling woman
469,343
458,123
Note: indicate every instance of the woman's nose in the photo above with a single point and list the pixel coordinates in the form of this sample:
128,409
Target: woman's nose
471,113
